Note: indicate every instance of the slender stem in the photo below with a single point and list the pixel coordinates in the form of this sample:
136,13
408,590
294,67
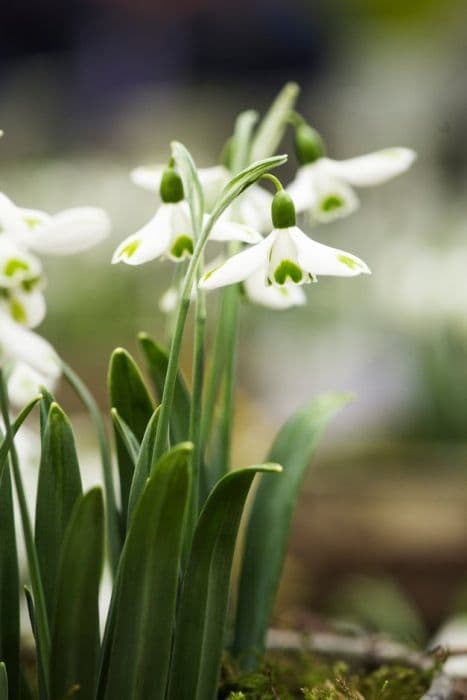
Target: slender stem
113,519
179,271
215,374
275,181
43,632
232,306
197,396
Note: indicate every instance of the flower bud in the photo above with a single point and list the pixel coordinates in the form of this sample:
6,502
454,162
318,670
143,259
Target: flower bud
309,145
282,210
171,189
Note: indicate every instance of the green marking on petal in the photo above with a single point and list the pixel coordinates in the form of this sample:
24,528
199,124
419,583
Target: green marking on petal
18,312
349,262
32,221
14,265
287,269
182,246
130,249
331,203
29,284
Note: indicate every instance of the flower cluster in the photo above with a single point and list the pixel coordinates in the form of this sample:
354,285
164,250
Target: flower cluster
272,269
24,235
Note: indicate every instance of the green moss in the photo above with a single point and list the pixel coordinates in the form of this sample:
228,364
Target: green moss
306,677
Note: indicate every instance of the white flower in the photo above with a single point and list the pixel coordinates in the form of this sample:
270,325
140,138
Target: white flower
324,187
68,232
252,208
169,234
24,383
272,296
19,344
286,257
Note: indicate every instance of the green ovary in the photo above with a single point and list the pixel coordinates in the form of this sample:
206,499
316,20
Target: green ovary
182,246
331,203
349,262
13,266
287,269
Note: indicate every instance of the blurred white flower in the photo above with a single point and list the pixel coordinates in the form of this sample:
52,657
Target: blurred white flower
169,234
286,257
24,383
324,186
68,232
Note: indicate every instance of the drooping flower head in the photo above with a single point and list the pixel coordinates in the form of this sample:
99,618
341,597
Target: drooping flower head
169,234
286,258
323,187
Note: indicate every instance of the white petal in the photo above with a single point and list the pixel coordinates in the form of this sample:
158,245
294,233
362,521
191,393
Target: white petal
70,231
213,181
319,259
334,198
225,230
169,300
19,343
371,169
10,215
272,296
240,266
24,383
150,242
302,188
254,208
27,308
148,176
16,265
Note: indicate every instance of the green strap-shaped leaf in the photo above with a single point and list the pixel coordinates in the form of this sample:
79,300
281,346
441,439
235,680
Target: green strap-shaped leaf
4,683
269,523
45,404
157,360
273,125
143,462
9,588
129,395
58,489
41,681
191,184
126,434
143,610
74,655
200,627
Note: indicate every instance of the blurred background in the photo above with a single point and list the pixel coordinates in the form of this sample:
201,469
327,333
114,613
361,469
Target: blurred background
91,88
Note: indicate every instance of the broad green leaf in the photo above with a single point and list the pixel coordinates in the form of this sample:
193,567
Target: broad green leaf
157,361
114,533
269,523
272,127
74,655
129,395
15,426
239,183
142,617
58,488
143,462
126,434
4,683
199,638
45,404
9,589
191,184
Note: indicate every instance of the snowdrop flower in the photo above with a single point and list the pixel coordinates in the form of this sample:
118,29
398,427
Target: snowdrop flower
250,209
68,232
324,187
24,383
286,257
19,344
21,284
169,233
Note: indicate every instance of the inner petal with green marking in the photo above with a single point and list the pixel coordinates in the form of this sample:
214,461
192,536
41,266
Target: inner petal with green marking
348,261
182,247
287,269
17,311
13,266
331,202
32,222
